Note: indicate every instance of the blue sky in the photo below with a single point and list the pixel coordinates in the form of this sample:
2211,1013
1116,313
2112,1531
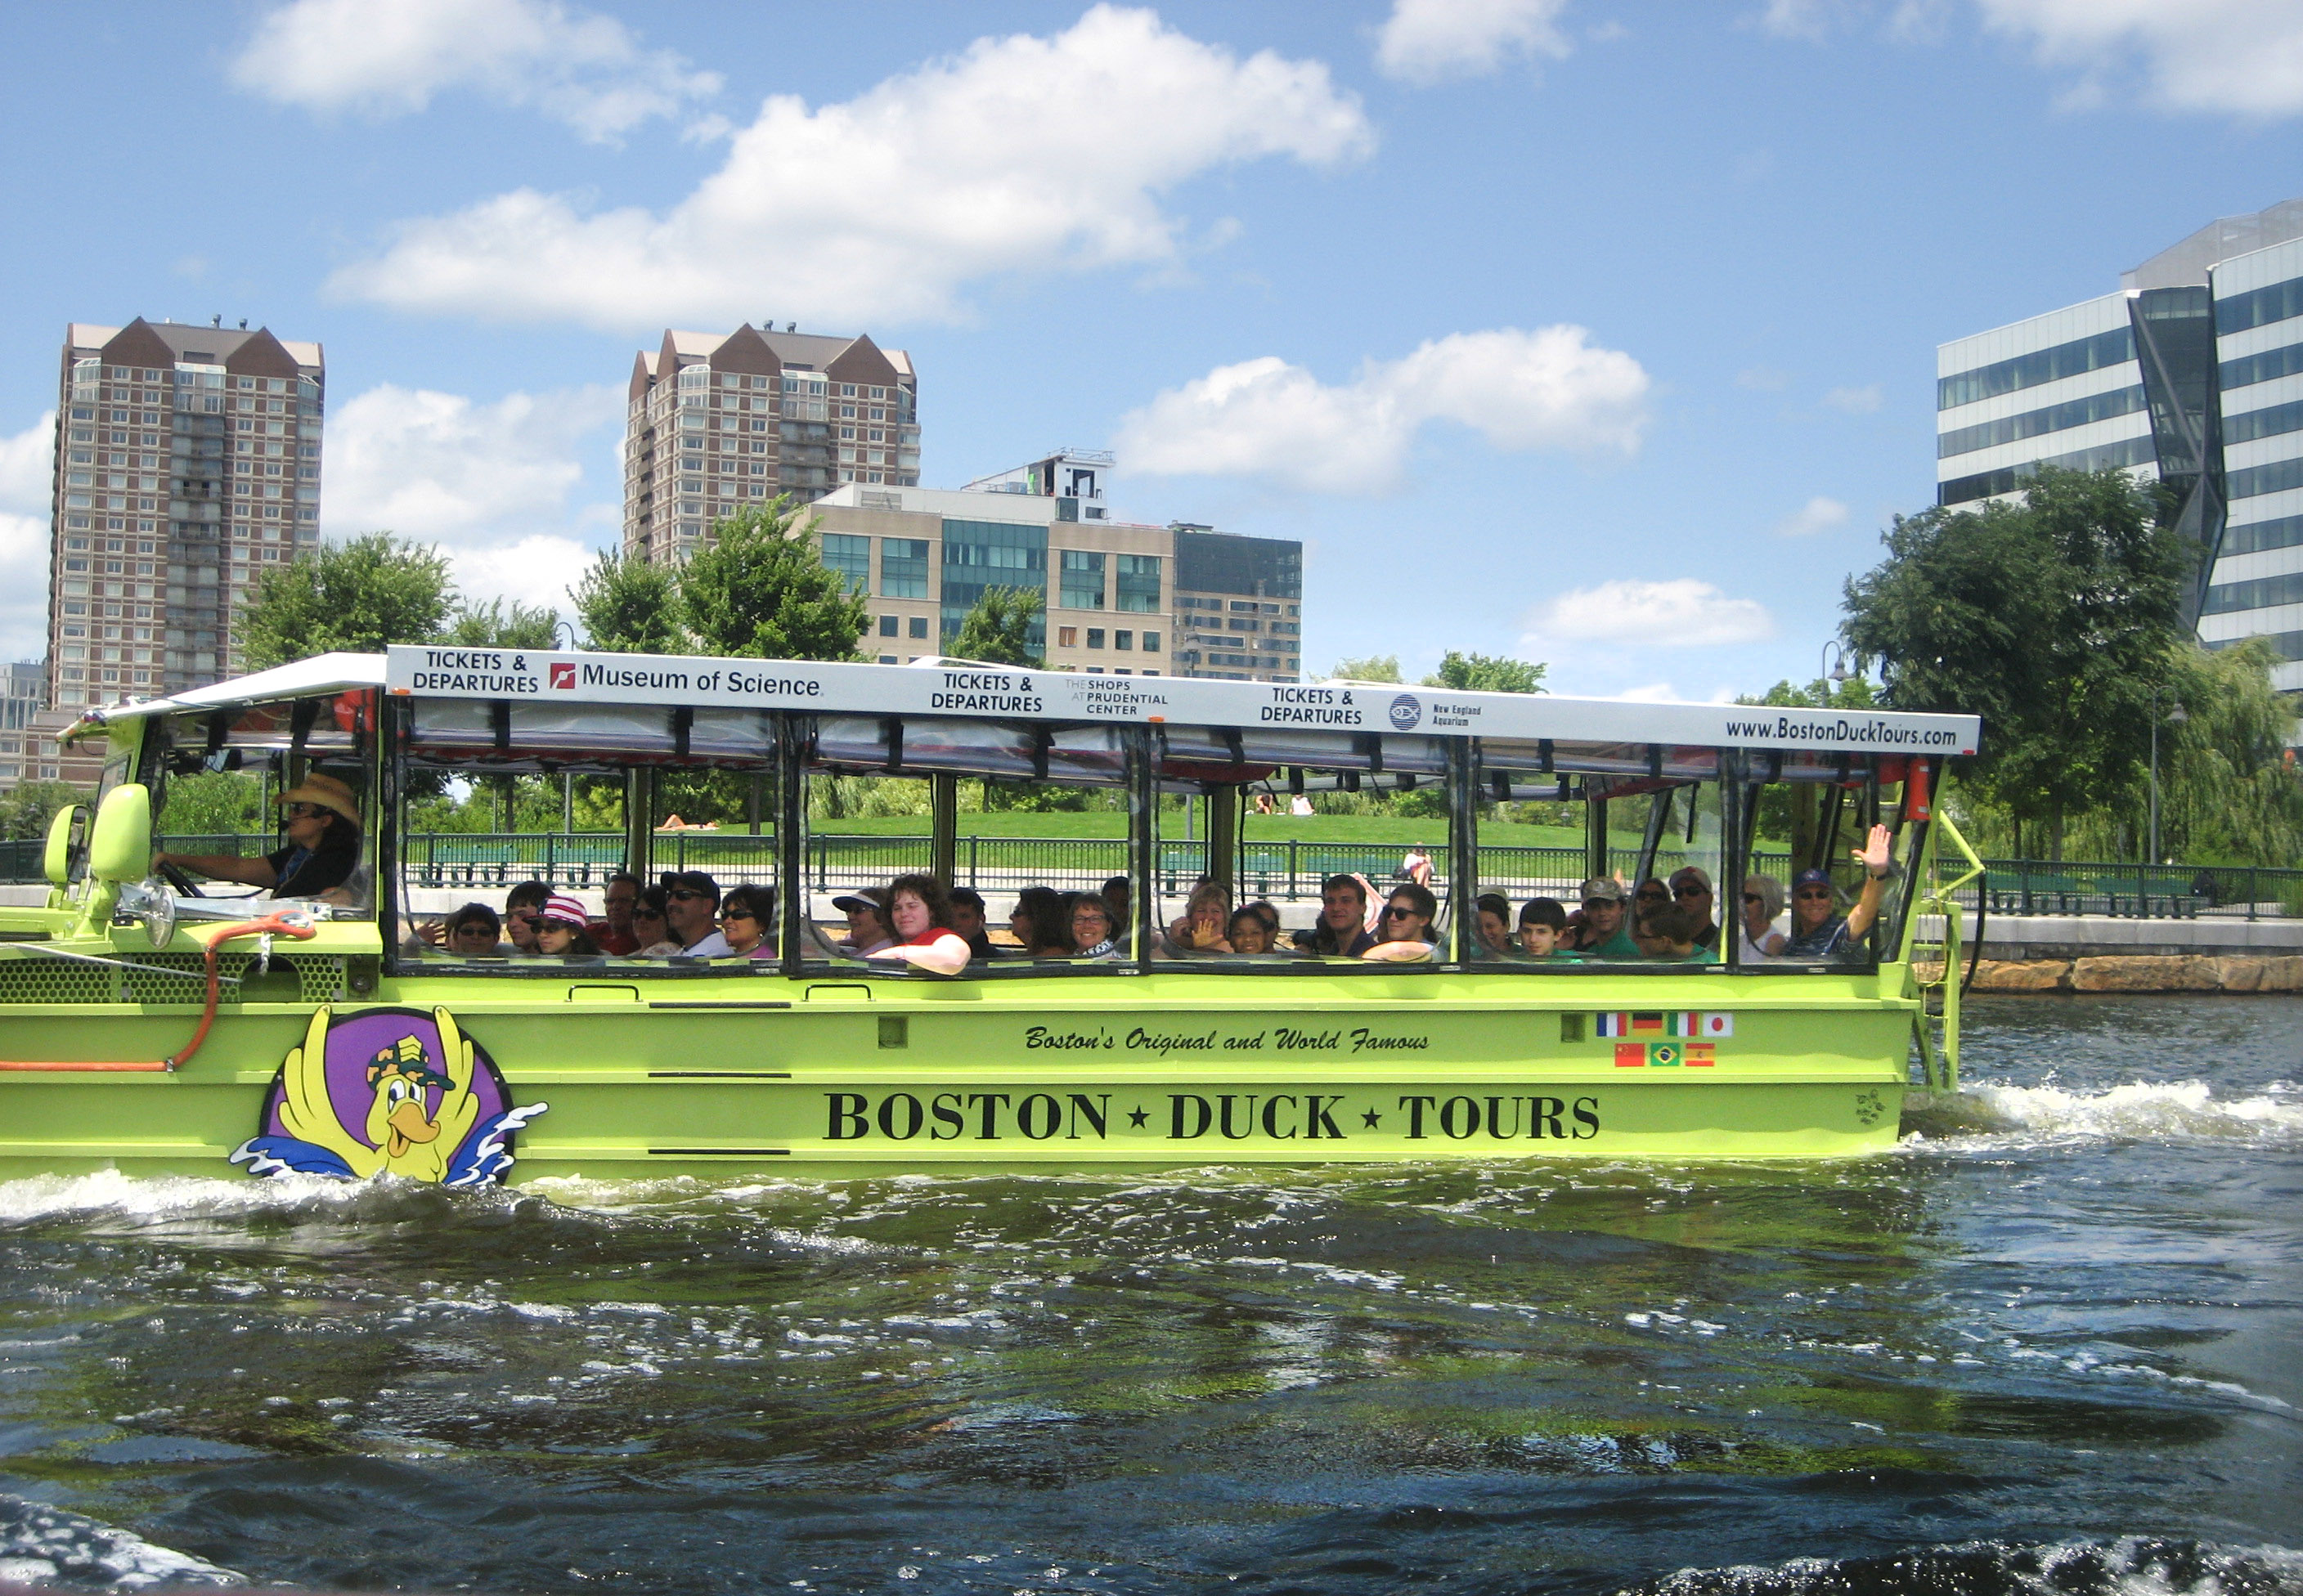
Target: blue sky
1598,333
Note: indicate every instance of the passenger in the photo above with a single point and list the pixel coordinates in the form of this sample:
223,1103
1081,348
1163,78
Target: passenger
321,815
613,931
1040,924
1817,933
692,912
921,917
1542,926
868,930
1254,929
1407,934
1341,931
1119,895
1652,895
1690,889
1602,935
1669,934
651,927
471,932
967,920
1496,927
1763,902
747,919
1206,921
1091,929
523,907
1416,865
563,928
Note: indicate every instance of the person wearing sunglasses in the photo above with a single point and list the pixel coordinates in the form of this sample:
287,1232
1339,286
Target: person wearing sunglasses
691,906
746,916
320,826
1763,902
1405,935
563,928
1690,889
1817,932
651,927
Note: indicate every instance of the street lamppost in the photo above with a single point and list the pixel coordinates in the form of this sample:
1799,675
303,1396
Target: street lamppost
2176,716
1832,664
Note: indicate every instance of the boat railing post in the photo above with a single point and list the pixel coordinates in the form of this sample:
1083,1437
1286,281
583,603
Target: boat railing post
1463,780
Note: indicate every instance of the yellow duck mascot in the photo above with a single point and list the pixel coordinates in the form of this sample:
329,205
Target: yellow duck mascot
409,1141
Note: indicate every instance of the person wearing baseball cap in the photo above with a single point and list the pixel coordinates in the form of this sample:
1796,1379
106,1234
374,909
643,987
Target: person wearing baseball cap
563,928
691,907
1817,933
320,819
869,927
1602,935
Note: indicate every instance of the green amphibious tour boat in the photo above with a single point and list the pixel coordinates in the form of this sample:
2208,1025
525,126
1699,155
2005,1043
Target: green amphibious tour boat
311,1016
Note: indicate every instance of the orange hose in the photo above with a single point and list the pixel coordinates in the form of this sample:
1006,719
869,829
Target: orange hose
263,925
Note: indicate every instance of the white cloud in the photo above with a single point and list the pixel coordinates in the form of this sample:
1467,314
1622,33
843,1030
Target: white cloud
490,483
1680,614
2236,56
1818,514
1429,41
354,56
1020,153
1855,401
1549,388
26,461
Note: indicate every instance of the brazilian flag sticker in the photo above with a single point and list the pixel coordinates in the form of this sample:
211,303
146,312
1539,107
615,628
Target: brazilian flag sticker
1666,1055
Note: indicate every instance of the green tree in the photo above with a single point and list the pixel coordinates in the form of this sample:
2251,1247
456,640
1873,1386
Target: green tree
1856,693
1481,673
491,625
27,808
997,630
357,596
2227,791
761,591
1376,668
628,606
2050,618
212,803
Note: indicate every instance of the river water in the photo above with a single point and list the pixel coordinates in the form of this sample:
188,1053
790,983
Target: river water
2049,1344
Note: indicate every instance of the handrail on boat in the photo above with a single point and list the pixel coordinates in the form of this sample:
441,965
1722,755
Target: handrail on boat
1941,898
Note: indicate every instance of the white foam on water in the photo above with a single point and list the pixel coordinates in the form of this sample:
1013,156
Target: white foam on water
2135,1111
2130,1566
148,1197
40,1545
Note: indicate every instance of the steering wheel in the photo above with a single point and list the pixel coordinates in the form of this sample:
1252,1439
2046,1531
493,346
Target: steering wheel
174,876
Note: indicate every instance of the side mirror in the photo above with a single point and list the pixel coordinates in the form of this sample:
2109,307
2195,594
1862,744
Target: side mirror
67,840
119,849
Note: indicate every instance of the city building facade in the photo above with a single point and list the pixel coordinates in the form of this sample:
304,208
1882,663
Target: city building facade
717,420
2191,375
1120,596
187,460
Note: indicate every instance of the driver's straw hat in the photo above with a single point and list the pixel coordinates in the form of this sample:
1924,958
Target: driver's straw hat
329,792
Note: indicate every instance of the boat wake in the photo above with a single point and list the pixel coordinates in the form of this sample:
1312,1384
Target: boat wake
2177,1111
44,1546
2130,1565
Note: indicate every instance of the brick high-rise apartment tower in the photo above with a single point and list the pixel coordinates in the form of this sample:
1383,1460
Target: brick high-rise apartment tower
187,457
718,421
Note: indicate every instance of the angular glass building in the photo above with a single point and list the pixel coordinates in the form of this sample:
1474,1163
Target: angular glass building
2192,373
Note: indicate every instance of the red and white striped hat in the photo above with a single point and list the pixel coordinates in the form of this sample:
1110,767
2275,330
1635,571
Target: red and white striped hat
566,909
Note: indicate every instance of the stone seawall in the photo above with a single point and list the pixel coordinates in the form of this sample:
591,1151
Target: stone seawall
2136,973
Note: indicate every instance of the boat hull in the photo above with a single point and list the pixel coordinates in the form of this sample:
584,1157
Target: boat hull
616,1079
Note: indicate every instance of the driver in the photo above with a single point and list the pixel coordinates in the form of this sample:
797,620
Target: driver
322,824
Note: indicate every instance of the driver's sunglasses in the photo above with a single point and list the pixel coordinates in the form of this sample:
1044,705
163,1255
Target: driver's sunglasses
1690,890
296,811
739,912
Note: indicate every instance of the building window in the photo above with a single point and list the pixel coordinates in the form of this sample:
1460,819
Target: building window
1095,637
904,568
1068,637
851,557
919,627
1082,579
888,627
1151,644
980,555
1123,640
1139,583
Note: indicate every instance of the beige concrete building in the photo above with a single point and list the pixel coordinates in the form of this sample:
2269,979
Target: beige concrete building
187,460
718,421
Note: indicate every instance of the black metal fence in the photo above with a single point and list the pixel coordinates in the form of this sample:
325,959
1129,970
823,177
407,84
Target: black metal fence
1284,870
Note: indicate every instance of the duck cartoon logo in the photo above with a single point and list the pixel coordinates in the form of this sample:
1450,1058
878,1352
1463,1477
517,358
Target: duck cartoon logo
387,1091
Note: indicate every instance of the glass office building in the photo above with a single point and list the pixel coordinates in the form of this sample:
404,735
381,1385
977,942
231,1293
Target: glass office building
2192,373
